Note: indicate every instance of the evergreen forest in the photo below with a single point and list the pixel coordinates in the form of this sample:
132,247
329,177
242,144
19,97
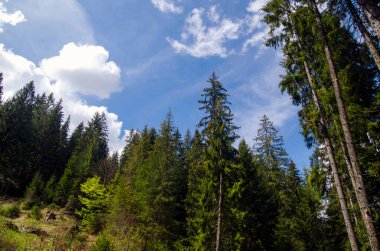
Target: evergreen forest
208,189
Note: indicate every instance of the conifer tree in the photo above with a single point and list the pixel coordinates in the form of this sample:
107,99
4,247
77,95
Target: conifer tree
218,132
123,220
252,205
269,147
17,140
91,148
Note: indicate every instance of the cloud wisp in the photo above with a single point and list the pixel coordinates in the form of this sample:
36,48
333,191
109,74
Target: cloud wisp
198,40
78,70
167,6
10,18
206,33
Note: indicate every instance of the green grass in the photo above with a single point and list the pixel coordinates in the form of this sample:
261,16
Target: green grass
56,233
10,210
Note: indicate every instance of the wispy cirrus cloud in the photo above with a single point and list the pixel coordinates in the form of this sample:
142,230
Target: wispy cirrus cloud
200,40
167,6
207,33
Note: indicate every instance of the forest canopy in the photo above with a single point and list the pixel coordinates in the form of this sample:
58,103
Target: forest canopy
208,189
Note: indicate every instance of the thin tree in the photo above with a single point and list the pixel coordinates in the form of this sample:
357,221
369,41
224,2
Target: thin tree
360,191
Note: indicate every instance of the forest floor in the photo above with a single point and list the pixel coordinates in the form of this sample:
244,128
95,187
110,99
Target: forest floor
49,228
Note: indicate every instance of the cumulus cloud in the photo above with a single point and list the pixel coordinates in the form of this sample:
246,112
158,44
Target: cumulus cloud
83,69
199,40
10,18
78,70
166,6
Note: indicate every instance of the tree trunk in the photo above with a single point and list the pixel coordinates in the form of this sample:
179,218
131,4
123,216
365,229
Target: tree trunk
338,184
361,193
372,12
330,152
363,30
219,212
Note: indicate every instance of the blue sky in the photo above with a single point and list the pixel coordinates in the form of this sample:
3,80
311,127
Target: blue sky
135,60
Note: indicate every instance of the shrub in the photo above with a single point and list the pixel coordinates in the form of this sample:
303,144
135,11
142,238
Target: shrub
53,206
34,191
11,212
35,213
103,243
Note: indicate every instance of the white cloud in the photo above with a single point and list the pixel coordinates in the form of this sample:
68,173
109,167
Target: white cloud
256,27
166,6
77,70
83,69
10,18
255,6
257,40
47,29
199,40
213,14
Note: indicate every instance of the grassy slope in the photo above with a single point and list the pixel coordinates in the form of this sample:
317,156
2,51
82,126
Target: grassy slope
59,234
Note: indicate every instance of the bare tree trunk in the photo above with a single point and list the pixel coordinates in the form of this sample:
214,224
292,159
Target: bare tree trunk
372,12
219,212
363,30
361,193
330,152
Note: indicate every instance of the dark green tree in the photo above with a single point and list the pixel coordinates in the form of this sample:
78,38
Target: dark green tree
17,141
91,148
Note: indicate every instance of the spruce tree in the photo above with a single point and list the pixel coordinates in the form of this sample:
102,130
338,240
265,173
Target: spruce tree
91,148
17,141
269,147
218,132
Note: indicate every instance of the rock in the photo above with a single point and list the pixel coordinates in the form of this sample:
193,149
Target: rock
50,216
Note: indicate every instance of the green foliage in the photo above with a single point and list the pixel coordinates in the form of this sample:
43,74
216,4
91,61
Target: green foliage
35,213
103,243
94,204
34,191
91,148
207,173
12,211
16,140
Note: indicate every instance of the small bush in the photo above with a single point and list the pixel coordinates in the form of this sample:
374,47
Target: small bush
103,243
34,192
35,213
53,206
11,212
